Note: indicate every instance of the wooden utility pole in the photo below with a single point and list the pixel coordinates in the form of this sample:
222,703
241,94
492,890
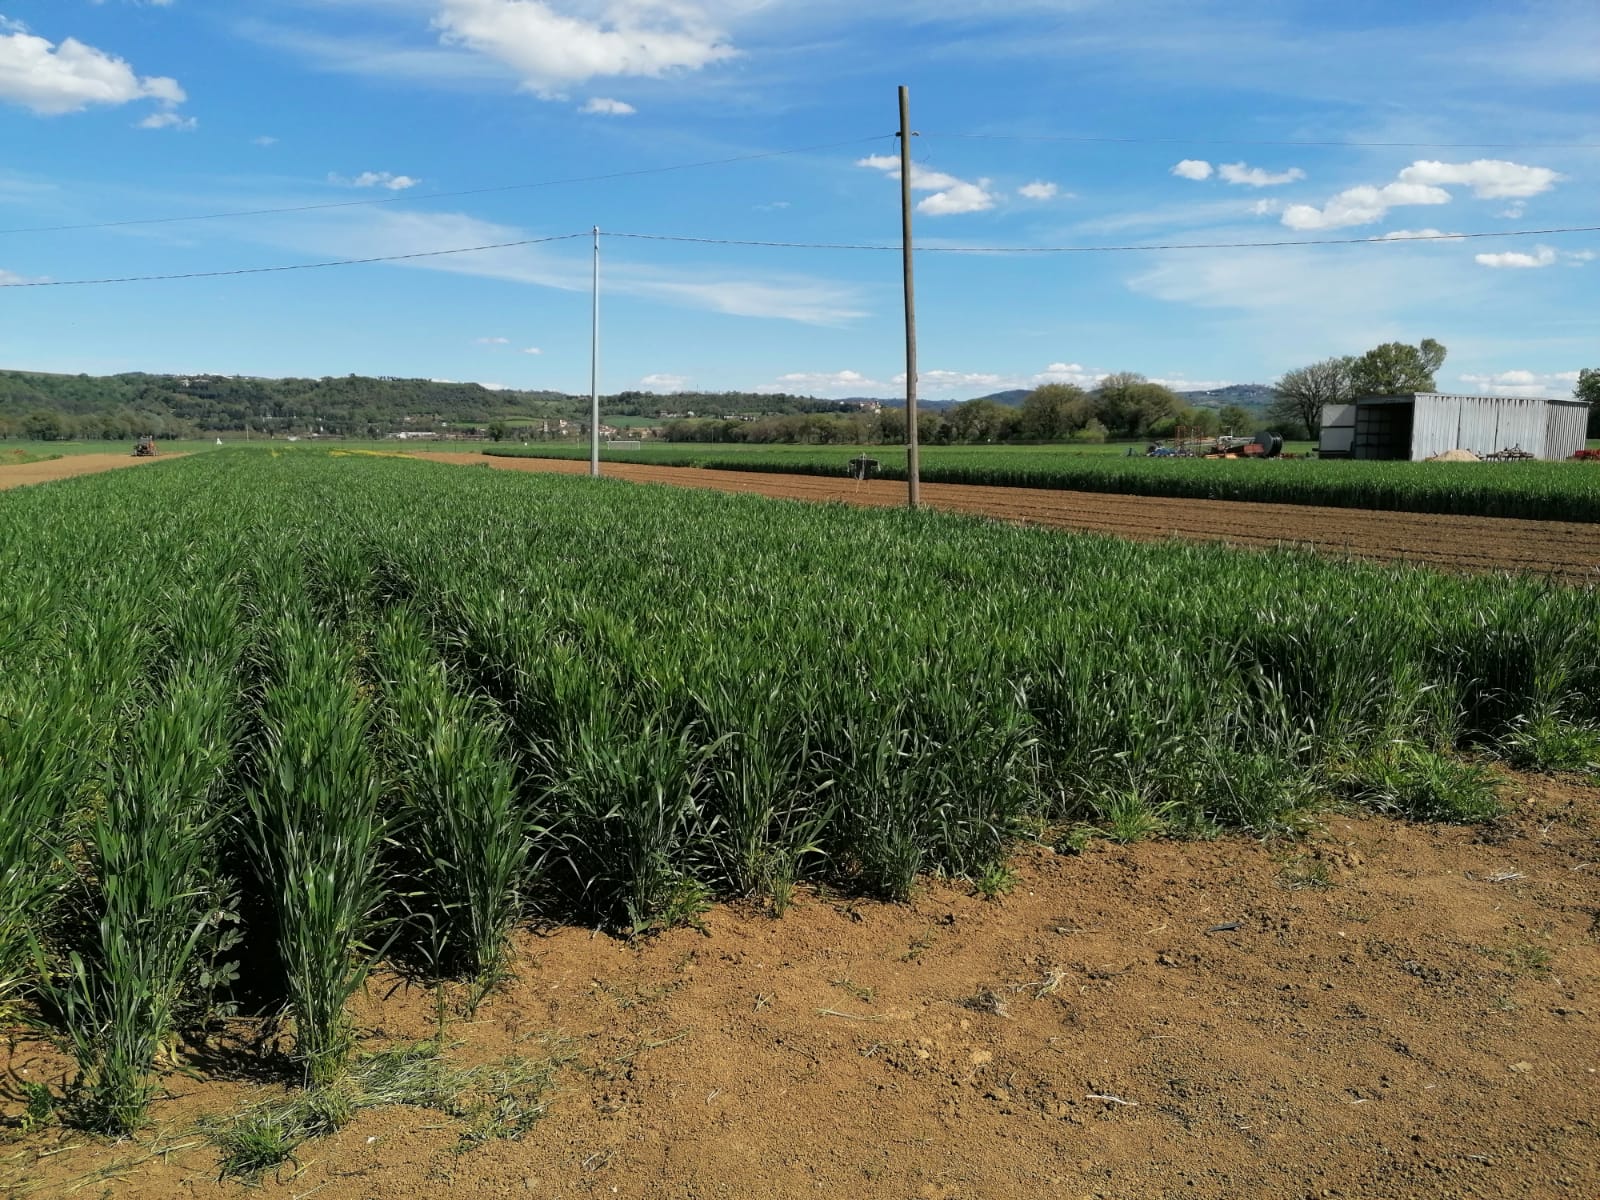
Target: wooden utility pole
913,466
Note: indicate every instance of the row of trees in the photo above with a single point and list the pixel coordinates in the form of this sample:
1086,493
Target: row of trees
1124,405
1393,368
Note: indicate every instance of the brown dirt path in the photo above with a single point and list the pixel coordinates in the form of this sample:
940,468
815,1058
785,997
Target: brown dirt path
70,465
1565,550
1401,1011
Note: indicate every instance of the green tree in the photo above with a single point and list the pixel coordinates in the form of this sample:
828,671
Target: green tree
1301,393
1054,411
1588,390
981,421
1236,419
497,431
44,426
1397,367
1128,404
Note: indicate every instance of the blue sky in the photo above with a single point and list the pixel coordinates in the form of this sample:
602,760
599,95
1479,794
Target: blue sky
1102,123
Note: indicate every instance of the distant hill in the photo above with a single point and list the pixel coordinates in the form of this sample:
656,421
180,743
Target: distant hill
1245,395
36,404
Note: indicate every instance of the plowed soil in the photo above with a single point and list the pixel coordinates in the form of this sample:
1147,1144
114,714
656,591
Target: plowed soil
1379,1010
1565,550
20,474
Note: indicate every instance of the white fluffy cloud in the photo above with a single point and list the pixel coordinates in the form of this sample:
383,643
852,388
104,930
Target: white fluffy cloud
606,107
52,80
1362,205
383,179
1423,182
491,341
1489,178
950,194
1193,168
1257,176
1542,256
532,350
663,382
1039,189
1523,383
553,44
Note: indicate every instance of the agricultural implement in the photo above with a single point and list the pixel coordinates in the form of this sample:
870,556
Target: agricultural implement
861,468
145,447
1227,445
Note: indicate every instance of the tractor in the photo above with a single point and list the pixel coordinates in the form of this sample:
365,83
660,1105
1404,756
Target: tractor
145,447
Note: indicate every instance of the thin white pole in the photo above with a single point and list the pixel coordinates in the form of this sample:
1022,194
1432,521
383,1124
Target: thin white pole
594,368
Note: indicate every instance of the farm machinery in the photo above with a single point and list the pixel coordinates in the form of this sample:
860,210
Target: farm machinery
1191,444
145,447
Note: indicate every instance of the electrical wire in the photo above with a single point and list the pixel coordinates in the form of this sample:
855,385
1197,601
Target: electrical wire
343,262
875,246
1174,141
1355,241
483,191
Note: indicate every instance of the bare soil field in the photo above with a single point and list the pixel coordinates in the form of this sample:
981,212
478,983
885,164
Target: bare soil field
20,474
1378,1010
1569,551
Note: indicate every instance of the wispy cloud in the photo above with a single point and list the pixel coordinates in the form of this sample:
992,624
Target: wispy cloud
605,107
376,179
775,295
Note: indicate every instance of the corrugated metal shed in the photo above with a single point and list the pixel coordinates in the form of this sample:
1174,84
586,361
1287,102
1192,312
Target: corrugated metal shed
1569,421
1423,424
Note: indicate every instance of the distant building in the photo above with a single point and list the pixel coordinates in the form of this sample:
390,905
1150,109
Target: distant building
1419,425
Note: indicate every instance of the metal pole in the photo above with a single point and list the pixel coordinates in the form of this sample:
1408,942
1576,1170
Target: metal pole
594,368
913,466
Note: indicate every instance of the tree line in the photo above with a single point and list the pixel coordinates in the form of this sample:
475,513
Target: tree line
1122,405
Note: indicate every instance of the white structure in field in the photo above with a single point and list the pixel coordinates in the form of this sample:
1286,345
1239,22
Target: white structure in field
1419,425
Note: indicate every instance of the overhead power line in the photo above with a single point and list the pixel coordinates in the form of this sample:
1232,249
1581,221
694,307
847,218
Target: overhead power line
342,262
1189,141
1353,241
870,246
409,197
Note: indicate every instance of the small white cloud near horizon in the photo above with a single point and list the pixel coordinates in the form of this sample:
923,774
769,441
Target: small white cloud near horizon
532,350
1524,383
1039,189
951,195
169,120
1193,168
1257,177
662,381
606,107
53,80
1542,256
491,341
846,382
383,179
